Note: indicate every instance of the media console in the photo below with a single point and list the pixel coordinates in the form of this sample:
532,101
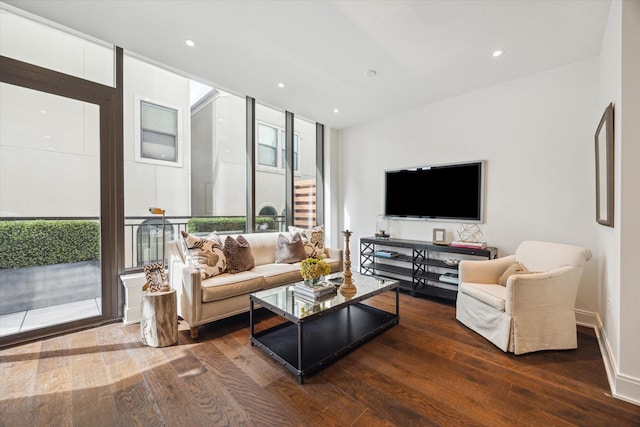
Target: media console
422,268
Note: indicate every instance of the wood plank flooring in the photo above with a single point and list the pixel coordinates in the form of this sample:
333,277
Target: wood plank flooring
427,371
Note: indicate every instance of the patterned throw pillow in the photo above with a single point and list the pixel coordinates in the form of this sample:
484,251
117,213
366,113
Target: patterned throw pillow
290,251
238,253
205,254
313,240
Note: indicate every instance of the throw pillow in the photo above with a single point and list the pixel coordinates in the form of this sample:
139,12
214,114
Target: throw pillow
515,268
204,254
290,251
313,239
238,253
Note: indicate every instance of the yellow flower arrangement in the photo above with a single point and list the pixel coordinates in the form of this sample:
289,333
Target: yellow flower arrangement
313,268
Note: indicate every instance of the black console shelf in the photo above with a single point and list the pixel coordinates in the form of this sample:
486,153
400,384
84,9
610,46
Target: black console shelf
417,264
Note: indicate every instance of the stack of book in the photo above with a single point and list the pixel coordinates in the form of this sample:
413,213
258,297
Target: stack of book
449,278
319,291
386,254
470,245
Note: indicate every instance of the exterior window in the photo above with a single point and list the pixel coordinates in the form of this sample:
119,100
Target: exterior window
283,149
267,145
158,132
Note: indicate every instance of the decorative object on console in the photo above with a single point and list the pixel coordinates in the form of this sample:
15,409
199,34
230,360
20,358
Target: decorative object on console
604,168
154,273
312,268
347,289
382,227
439,236
469,245
449,278
469,233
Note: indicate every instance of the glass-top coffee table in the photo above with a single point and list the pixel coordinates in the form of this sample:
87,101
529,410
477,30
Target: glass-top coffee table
317,333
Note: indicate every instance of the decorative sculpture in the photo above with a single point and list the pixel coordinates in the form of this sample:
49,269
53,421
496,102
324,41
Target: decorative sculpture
347,289
469,232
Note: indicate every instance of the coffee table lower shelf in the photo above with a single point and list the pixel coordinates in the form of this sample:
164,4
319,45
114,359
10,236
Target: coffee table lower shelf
308,346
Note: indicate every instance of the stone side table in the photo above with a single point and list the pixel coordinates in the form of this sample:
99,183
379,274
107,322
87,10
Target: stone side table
159,318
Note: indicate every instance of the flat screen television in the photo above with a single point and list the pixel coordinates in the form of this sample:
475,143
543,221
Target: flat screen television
451,192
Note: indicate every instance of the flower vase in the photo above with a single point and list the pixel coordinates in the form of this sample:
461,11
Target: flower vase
311,282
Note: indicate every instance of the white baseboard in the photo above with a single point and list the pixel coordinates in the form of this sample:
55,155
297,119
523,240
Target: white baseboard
622,386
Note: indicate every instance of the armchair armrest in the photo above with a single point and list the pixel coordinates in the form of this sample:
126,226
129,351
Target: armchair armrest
484,271
539,293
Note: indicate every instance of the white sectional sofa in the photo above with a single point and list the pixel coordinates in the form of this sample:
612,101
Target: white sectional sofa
202,301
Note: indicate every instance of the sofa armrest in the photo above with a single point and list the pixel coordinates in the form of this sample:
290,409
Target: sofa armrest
335,254
484,271
191,295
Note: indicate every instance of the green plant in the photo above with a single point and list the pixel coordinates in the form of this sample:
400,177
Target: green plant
40,242
221,224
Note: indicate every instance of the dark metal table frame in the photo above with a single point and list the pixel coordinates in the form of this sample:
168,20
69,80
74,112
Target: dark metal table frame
316,334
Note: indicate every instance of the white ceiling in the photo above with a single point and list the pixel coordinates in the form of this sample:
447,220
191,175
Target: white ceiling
423,51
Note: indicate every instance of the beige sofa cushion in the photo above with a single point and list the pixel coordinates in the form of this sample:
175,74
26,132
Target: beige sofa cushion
278,274
228,285
493,295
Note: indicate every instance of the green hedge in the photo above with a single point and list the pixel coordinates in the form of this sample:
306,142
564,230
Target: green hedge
221,224
40,242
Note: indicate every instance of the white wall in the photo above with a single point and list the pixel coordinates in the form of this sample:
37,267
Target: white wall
536,134
149,184
619,247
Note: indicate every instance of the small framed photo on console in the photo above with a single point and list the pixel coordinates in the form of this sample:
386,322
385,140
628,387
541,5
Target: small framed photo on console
439,236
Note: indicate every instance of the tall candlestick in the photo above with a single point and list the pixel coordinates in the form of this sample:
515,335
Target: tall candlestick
347,288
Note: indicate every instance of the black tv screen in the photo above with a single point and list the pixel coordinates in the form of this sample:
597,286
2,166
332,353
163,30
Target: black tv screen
446,192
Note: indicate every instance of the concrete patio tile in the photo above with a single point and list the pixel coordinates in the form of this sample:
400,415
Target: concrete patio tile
57,314
11,323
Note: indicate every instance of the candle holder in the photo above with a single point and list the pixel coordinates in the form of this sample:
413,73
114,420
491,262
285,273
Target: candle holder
347,289
382,227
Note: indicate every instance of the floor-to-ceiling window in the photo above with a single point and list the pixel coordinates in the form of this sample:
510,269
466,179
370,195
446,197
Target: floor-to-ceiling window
270,169
57,121
304,173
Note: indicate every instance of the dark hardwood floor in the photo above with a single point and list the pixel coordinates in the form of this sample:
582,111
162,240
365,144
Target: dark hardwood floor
428,370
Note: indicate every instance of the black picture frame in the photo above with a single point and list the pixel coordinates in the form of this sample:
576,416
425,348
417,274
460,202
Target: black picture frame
604,168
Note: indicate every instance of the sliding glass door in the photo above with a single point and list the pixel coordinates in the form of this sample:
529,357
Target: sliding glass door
50,228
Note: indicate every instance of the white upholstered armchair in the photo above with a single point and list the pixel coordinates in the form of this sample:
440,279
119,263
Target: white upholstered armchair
534,307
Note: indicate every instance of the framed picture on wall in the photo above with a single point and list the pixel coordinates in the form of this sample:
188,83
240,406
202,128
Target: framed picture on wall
604,168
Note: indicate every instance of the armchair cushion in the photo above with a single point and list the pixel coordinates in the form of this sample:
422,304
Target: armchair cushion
515,268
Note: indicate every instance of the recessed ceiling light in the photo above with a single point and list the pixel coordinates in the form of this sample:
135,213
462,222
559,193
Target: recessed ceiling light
336,111
189,42
497,53
281,85
371,73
